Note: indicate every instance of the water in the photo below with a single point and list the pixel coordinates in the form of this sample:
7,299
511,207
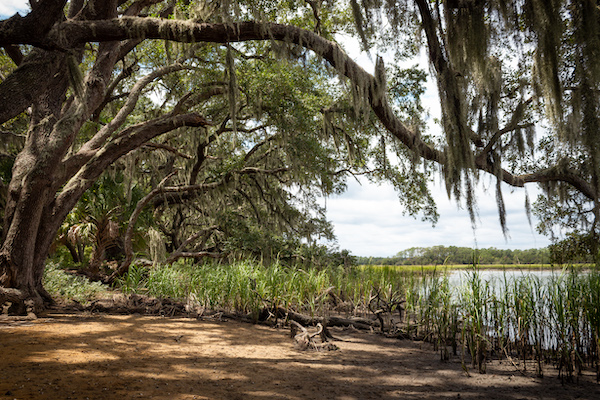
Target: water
497,278
536,298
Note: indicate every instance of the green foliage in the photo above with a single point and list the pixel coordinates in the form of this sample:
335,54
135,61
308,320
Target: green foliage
452,255
134,281
247,286
99,219
575,248
63,285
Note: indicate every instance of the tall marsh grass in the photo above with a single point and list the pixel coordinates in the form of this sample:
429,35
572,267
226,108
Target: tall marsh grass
248,286
531,320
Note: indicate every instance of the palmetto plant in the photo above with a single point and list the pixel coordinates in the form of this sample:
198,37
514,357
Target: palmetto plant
96,223
97,231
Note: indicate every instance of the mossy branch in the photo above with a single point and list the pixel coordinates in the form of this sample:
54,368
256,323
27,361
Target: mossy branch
72,33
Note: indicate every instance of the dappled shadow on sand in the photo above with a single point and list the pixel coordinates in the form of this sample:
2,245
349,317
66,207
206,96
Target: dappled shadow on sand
110,357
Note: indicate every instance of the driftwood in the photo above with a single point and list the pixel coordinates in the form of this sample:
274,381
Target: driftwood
139,304
134,303
305,340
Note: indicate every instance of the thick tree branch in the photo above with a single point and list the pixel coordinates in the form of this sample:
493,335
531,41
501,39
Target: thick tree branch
559,173
34,25
181,252
103,134
24,85
14,53
72,33
132,138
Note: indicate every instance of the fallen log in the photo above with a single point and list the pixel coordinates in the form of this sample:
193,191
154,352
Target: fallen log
302,319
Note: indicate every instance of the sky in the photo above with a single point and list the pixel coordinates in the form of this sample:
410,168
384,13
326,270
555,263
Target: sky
368,219
8,8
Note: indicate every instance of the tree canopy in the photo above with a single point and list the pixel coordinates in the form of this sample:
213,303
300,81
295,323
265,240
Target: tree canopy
217,123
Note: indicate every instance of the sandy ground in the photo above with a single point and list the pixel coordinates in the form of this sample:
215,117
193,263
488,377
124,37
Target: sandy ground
84,356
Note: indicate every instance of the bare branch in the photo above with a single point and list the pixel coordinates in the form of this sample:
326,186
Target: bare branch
12,134
513,125
125,73
490,145
193,98
315,5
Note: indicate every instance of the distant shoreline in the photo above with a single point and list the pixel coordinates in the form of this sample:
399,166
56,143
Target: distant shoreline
487,267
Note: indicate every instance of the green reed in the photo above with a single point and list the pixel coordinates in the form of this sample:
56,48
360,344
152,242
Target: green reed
529,319
591,303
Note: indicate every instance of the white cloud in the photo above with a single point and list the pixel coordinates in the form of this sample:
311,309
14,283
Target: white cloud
368,221
9,7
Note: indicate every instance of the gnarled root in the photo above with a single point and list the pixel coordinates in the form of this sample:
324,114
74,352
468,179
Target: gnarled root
305,340
19,305
29,305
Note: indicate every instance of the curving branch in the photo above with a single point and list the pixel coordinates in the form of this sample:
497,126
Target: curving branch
130,139
92,145
69,34
108,97
180,252
562,174
161,189
512,125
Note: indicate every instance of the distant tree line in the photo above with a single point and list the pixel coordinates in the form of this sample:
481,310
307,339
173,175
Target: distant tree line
439,255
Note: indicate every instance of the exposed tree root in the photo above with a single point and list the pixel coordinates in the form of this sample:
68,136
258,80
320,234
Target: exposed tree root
12,295
24,304
135,303
29,314
359,323
305,340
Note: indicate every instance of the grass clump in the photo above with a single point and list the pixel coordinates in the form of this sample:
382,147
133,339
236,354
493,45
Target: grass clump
65,286
247,286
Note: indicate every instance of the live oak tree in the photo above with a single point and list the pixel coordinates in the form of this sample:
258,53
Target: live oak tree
264,137
501,67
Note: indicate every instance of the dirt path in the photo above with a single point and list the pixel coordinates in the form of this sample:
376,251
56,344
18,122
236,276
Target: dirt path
126,357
